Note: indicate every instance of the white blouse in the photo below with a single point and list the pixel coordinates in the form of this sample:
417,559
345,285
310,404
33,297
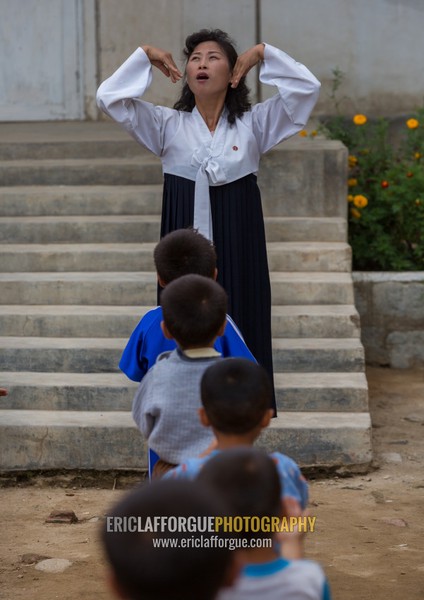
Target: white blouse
182,139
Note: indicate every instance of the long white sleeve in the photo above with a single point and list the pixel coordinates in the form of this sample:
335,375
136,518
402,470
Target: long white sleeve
287,112
120,98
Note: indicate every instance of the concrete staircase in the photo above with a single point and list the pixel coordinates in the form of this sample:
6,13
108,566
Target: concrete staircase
79,218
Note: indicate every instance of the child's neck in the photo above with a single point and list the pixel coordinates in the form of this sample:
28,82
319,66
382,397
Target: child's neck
226,441
257,556
195,348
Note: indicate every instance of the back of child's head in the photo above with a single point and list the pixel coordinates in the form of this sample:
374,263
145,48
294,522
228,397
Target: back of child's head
182,252
248,481
143,539
194,309
236,394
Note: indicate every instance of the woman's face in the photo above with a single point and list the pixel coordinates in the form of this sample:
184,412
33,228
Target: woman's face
208,71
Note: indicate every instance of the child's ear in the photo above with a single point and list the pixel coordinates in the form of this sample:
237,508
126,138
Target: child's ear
204,419
215,274
233,570
222,328
118,592
267,418
165,331
161,282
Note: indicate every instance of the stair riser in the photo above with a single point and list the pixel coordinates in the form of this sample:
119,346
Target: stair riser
97,326
83,326
90,200
80,233
303,292
77,261
144,293
65,150
69,398
103,360
112,398
60,360
142,260
137,231
126,293
325,447
53,447
316,326
145,230
85,174
314,260
318,360
322,399
24,447
306,230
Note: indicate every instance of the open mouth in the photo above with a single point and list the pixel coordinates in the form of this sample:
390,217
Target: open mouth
202,77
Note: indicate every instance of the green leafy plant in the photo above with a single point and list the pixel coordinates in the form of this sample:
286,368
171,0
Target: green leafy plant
385,188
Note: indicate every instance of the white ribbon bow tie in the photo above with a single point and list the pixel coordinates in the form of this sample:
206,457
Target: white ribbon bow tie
210,173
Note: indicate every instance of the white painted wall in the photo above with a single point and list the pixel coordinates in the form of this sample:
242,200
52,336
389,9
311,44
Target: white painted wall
54,53
166,24
40,60
379,44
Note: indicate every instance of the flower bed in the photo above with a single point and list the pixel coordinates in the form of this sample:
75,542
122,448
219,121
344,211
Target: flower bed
385,189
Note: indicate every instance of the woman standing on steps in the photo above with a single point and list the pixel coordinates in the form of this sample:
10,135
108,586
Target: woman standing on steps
210,145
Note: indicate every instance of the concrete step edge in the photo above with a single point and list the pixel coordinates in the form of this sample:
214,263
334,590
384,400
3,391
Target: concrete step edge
293,310
61,163
112,419
287,380
276,276
318,380
34,342
290,310
316,343
292,247
17,379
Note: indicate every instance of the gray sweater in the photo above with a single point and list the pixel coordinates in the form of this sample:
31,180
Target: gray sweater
165,406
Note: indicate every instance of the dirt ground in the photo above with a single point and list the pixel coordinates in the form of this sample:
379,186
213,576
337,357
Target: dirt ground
369,532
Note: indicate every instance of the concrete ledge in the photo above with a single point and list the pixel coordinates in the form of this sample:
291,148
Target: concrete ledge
391,308
305,177
32,439
321,439
39,439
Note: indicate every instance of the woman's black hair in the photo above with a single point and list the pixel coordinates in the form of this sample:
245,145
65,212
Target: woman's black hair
237,99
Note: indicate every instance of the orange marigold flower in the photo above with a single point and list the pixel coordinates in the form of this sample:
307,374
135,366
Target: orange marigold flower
412,123
303,133
353,161
384,184
360,201
352,182
355,213
417,155
359,119
314,133
350,198
409,174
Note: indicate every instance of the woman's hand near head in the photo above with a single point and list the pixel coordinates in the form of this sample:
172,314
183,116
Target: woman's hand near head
163,61
245,62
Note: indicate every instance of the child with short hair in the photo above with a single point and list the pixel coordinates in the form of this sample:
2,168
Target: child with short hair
144,569
167,400
181,252
247,480
235,395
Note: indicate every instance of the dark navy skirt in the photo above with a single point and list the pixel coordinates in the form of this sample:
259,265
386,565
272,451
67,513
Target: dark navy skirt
239,238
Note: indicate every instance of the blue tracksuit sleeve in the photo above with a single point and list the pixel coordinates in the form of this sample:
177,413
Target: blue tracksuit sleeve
146,343
232,343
